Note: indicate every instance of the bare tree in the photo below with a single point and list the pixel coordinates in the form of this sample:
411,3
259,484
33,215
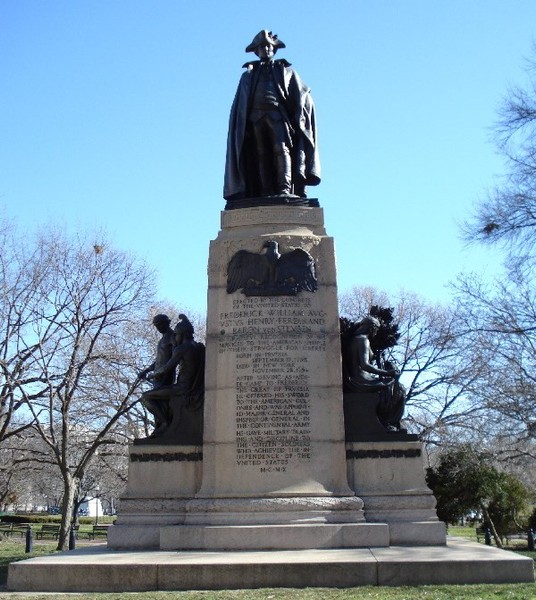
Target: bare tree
500,316
508,214
10,488
79,364
19,301
500,319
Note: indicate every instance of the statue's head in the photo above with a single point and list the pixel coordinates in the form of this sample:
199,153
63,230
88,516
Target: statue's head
184,330
161,322
369,326
265,44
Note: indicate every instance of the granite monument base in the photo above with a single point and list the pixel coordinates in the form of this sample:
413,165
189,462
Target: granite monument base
100,570
389,478
161,481
274,472
295,536
160,511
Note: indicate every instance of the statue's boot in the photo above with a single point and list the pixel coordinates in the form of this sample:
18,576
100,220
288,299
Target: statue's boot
284,174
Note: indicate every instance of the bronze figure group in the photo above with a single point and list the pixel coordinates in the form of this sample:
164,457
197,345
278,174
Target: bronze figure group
176,403
367,371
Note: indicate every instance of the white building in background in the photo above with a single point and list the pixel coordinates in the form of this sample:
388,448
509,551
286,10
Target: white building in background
92,508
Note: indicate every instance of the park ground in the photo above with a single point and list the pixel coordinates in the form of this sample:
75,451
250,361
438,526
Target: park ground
13,549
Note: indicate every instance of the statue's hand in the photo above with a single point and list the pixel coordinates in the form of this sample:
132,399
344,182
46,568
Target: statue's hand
143,374
156,374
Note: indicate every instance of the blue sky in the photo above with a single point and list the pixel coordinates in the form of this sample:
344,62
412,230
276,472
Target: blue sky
113,114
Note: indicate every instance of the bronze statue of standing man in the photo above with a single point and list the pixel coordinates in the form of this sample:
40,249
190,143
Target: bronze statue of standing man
272,144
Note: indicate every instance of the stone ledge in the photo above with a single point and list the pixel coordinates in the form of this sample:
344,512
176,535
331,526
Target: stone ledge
417,533
276,504
296,536
273,214
99,570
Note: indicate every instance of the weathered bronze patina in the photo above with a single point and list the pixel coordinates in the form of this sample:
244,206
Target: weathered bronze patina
272,147
177,405
374,398
271,273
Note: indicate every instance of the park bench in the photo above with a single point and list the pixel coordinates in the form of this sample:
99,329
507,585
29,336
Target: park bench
83,532
6,529
20,529
9,529
99,531
48,530
512,536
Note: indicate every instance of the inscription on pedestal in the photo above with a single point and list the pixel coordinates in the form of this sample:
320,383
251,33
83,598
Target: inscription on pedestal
276,344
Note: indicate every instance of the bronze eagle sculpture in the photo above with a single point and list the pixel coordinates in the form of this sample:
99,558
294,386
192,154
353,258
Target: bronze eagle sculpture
270,273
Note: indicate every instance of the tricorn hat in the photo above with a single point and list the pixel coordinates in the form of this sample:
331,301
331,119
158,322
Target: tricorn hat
265,37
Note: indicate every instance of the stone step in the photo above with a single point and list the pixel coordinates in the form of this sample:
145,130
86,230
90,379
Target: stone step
274,537
100,570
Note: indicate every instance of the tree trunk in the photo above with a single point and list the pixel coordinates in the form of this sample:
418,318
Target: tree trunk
76,507
71,486
494,533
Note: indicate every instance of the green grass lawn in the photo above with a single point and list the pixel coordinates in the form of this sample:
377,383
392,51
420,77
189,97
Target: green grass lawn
13,549
465,532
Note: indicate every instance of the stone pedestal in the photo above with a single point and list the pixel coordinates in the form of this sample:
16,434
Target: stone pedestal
161,481
273,402
389,477
274,471
273,449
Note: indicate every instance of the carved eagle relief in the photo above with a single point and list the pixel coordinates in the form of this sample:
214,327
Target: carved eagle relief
270,273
